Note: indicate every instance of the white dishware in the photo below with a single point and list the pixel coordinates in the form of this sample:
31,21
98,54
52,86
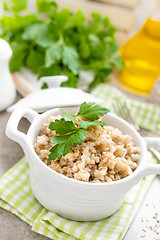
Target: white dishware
70,198
7,87
50,98
53,81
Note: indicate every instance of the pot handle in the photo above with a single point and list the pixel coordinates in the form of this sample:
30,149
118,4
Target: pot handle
150,169
12,125
152,142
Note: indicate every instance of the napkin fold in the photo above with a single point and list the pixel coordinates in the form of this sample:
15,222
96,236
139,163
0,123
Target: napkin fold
16,195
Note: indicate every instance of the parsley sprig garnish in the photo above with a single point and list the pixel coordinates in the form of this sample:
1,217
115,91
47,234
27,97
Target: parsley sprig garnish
68,132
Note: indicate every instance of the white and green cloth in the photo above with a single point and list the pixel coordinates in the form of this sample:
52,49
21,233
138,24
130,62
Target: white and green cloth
16,195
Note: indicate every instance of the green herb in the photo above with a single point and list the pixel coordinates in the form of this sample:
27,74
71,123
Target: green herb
62,126
64,143
91,111
69,132
85,124
61,43
67,116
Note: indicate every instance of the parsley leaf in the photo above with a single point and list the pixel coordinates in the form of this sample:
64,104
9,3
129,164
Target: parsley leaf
51,71
53,54
62,126
85,124
64,143
15,5
17,59
15,24
57,151
67,116
37,32
91,111
72,80
46,6
34,31
34,60
44,86
70,58
74,137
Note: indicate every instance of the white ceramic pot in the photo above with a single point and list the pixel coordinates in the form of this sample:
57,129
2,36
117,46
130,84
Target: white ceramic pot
70,198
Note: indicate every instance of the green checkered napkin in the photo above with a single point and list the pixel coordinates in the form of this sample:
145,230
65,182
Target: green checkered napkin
16,195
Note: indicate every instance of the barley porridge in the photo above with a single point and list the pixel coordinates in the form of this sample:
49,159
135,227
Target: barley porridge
106,154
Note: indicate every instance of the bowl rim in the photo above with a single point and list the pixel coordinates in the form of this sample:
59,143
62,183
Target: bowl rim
41,117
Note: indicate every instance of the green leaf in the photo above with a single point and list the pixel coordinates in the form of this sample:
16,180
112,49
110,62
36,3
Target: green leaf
63,18
44,86
44,42
35,31
72,80
98,52
94,40
64,143
18,56
19,5
78,19
51,71
19,48
53,54
53,30
5,6
15,6
62,126
67,116
71,59
85,124
16,64
34,60
74,137
57,152
46,6
17,22
101,21
84,49
91,111
100,76
61,139
79,136
118,63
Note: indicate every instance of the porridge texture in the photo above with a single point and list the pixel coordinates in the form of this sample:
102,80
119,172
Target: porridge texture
106,154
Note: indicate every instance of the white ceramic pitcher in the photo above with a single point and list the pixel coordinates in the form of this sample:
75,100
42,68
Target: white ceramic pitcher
7,87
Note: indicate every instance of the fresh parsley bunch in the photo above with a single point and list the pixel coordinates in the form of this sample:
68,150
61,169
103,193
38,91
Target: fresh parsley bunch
69,133
60,43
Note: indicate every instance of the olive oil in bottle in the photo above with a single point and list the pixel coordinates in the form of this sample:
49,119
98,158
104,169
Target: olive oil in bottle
141,56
